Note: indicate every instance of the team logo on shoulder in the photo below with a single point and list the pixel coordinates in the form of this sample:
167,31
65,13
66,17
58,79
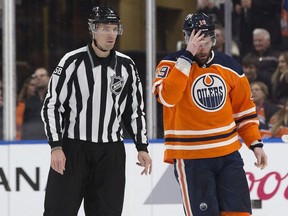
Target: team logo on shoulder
209,92
116,84
57,71
162,72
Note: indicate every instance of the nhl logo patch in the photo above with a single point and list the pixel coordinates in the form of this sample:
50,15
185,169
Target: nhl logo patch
116,84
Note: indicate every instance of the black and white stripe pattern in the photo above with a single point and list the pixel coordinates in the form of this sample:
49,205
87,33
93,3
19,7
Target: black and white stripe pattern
88,98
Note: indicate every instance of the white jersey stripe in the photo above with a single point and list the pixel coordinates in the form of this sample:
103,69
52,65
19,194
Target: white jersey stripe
200,147
180,166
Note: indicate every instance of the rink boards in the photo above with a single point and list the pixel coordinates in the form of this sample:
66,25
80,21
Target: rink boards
24,167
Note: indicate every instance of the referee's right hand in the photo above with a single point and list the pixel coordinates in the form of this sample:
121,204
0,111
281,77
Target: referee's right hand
58,160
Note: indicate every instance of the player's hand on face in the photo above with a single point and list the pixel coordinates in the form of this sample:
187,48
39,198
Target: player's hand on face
145,161
58,160
194,42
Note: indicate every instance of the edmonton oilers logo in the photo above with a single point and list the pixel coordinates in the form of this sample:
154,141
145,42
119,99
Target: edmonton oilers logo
209,92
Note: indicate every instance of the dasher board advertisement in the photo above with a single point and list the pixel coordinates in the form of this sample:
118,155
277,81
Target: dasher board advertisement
24,168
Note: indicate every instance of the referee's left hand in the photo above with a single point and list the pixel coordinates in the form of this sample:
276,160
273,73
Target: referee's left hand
144,161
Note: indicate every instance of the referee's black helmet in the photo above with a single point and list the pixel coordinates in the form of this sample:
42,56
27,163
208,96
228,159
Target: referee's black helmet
105,15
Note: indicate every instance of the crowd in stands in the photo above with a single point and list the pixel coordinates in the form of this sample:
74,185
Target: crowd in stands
29,125
259,43
29,104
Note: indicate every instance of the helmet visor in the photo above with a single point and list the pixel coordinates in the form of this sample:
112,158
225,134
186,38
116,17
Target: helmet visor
106,28
204,31
207,42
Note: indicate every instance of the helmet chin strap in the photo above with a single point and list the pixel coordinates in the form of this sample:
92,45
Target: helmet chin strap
98,46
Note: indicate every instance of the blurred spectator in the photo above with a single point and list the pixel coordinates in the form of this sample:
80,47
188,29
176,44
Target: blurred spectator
284,24
280,79
236,22
250,68
254,14
23,72
265,109
279,122
267,56
27,91
208,7
220,43
249,65
32,127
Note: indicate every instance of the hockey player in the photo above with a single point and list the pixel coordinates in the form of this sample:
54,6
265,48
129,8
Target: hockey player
207,106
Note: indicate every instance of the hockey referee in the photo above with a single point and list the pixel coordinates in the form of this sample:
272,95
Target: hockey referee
91,92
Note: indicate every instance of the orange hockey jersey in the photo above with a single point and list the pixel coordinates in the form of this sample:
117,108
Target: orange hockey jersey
205,109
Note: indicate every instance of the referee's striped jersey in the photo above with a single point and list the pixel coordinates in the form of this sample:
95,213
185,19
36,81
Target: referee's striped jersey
89,96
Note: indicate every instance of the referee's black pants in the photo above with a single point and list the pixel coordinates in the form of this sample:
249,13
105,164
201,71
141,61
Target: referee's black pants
95,173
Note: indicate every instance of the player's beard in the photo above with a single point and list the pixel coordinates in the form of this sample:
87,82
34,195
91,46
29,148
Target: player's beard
202,58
